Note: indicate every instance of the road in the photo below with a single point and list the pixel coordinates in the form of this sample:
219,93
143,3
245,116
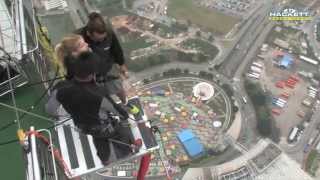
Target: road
77,13
236,62
238,84
309,29
235,58
247,24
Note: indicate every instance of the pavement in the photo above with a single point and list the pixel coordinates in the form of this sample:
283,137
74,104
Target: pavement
296,150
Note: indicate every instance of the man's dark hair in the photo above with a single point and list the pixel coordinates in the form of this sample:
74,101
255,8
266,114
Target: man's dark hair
85,64
96,23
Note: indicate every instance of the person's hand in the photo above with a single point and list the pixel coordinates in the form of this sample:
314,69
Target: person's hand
124,72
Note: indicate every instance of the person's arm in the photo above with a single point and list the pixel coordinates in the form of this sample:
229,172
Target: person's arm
116,49
109,105
117,52
52,106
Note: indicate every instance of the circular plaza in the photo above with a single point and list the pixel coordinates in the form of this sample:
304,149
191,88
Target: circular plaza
192,115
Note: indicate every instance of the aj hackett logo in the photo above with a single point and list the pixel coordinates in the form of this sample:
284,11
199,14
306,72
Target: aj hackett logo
289,15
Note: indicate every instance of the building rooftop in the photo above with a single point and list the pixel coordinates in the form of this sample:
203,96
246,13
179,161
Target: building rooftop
190,143
284,168
286,61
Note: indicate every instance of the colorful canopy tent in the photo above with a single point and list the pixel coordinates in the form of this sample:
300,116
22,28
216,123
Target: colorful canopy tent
191,143
158,91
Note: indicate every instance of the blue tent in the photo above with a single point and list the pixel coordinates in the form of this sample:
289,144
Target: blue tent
191,143
286,61
158,91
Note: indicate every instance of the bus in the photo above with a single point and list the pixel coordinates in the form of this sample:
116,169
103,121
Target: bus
257,64
253,75
312,88
255,69
293,134
280,104
306,59
282,100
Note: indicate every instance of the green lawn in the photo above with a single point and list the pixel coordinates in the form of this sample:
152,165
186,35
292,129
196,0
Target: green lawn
138,43
203,46
209,19
311,162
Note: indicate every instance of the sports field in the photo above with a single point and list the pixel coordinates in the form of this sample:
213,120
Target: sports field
210,19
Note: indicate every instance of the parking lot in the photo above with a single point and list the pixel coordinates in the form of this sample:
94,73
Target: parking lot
288,116
233,7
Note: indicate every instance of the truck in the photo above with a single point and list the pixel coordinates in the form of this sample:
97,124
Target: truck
244,99
301,114
294,77
276,111
285,95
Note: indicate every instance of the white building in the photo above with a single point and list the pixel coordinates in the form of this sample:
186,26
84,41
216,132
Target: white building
55,4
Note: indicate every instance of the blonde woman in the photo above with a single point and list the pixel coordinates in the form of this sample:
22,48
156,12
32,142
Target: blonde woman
70,46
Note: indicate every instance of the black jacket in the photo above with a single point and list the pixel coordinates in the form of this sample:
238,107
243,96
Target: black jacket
87,103
108,50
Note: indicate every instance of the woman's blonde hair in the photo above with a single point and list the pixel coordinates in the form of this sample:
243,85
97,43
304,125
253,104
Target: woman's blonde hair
67,46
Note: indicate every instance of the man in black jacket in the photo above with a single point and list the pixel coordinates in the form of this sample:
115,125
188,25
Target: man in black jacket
103,41
91,108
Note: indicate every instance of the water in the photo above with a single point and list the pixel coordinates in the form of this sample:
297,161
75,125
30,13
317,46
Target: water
11,162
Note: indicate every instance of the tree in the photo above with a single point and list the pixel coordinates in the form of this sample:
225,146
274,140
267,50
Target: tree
178,71
156,76
259,100
165,73
227,89
235,109
189,22
202,74
210,38
257,95
264,121
171,72
210,76
146,81
186,71
198,33
217,66
316,76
